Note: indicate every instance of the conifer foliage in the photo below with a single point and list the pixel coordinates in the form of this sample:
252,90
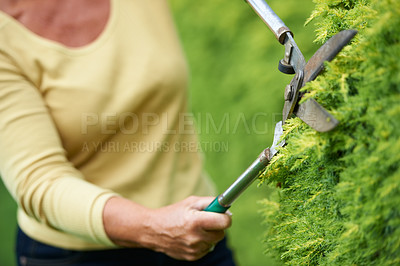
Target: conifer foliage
339,196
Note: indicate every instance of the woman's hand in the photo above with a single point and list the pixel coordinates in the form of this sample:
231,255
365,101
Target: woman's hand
182,230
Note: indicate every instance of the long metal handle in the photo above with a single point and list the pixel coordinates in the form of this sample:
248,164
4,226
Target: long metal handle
222,203
265,12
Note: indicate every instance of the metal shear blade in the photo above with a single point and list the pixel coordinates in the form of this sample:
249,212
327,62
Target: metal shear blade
276,143
310,111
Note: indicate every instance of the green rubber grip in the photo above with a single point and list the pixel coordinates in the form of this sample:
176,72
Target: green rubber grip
216,207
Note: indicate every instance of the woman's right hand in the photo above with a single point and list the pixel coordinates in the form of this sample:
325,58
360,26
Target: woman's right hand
181,230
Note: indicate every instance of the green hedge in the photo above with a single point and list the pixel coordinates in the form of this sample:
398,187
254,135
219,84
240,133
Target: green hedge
339,201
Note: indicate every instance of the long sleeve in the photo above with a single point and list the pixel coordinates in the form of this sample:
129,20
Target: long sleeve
34,167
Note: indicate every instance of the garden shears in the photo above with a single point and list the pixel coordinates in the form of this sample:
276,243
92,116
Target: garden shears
312,113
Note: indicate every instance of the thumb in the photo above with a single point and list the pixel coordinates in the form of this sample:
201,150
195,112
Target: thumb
208,220
200,203
211,221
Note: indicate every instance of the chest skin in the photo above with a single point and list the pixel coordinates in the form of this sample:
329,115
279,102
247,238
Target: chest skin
73,23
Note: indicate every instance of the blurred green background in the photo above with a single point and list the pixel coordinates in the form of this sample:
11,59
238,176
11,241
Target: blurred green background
236,95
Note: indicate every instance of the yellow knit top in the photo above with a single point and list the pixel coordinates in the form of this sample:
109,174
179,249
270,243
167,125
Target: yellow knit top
79,125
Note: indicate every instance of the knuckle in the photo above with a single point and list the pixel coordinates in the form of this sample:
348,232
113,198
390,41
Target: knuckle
191,224
191,199
195,224
193,242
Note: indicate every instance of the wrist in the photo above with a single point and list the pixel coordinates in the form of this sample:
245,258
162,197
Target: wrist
126,222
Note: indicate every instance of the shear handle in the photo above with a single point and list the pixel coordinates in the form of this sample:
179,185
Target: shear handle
224,201
275,24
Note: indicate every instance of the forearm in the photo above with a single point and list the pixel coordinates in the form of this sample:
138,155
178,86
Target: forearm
125,221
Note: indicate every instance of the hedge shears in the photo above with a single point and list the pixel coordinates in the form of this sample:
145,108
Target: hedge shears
310,111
